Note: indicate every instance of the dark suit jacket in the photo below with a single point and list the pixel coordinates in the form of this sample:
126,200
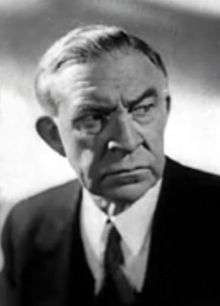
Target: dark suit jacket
45,262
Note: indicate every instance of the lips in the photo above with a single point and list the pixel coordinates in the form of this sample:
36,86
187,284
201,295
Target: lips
124,171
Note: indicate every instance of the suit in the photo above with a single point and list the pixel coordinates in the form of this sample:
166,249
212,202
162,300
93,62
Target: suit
45,260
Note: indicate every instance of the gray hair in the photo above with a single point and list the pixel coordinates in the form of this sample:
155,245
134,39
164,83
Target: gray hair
81,45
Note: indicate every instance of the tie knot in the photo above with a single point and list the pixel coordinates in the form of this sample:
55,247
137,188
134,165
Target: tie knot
116,288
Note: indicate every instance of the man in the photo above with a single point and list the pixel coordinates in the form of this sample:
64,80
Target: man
136,228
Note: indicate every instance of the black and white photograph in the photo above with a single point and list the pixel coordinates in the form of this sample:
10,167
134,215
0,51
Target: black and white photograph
110,153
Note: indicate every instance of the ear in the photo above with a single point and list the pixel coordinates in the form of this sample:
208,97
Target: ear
48,131
168,103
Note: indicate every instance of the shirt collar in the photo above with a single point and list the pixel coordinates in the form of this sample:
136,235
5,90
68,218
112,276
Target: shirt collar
133,224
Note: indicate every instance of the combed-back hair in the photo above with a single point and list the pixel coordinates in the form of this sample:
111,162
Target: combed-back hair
81,45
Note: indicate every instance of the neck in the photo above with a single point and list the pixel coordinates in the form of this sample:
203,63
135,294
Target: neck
109,207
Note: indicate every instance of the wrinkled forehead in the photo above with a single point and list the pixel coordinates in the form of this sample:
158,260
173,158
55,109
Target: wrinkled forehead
118,73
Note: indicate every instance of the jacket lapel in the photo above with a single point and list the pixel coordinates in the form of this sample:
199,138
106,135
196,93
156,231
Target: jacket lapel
161,273
57,260
81,279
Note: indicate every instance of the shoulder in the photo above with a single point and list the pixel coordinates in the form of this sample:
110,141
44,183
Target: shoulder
193,193
189,201
46,212
186,176
55,200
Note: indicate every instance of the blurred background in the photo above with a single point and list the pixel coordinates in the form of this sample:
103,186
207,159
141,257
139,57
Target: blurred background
185,32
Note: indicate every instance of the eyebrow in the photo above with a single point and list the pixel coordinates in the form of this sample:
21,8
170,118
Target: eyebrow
150,92
96,106
102,104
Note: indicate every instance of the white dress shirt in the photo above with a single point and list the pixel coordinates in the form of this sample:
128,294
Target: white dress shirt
134,226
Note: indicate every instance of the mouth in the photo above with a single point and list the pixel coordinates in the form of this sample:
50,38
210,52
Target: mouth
123,172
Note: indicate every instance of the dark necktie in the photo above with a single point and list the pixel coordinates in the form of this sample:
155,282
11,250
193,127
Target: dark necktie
116,289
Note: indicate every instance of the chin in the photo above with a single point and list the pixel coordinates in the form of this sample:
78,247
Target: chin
127,194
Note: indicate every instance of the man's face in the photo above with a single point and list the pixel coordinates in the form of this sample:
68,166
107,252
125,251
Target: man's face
112,115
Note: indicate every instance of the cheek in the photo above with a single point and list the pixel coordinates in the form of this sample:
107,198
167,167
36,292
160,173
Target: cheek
159,123
153,135
80,153
158,134
85,160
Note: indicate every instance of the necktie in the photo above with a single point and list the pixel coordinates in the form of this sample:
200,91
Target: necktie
116,289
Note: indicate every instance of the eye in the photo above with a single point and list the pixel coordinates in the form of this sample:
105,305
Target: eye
143,112
90,123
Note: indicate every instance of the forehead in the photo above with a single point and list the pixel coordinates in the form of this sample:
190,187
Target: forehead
113,75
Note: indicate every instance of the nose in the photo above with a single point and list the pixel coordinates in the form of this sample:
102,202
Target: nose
125,136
